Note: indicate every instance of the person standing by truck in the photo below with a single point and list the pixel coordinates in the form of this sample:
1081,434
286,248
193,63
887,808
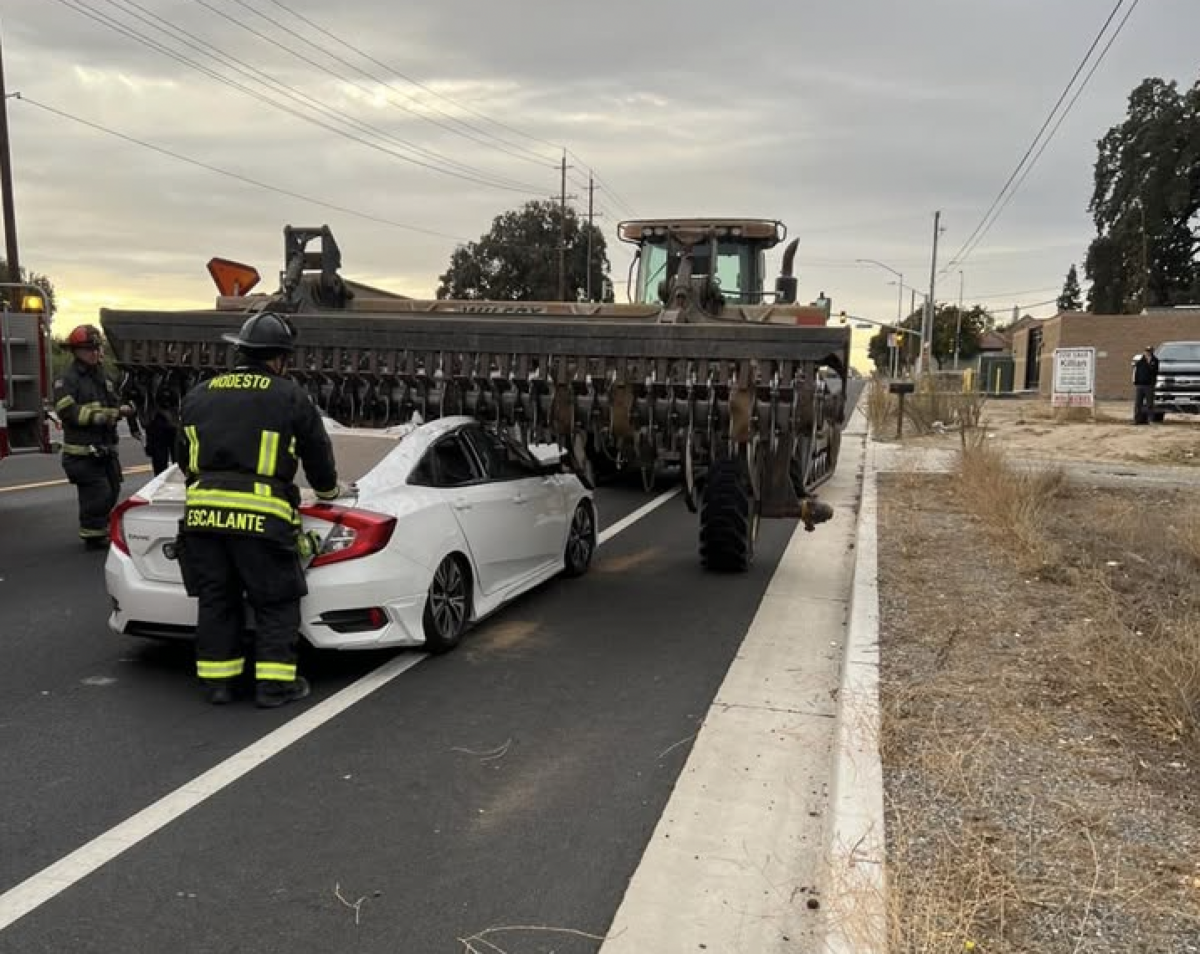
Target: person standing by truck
1145,378
88,406
243,435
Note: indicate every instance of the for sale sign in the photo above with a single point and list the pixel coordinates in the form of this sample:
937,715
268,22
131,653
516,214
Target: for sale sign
1074,377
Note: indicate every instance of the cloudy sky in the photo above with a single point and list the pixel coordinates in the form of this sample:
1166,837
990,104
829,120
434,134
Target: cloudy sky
416,124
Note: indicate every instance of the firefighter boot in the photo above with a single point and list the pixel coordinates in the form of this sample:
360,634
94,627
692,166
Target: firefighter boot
271,693
219,692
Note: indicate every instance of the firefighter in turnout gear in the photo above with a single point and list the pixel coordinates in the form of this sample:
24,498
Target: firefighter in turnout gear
89,408
242,436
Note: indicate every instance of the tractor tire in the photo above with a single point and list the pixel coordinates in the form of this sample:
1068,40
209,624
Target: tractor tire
728,523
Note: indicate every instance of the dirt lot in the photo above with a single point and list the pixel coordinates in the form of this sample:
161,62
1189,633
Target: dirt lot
1025,428
1041,695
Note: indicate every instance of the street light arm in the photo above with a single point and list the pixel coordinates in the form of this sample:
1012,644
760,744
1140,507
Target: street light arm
883,324
871,261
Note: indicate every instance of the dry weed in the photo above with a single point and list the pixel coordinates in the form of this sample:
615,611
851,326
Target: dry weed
1011,501
881,409
1029,808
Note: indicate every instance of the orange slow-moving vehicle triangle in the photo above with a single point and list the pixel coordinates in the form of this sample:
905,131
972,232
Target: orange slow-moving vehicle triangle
232,278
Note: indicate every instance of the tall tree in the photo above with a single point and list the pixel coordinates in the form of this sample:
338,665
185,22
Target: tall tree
517,260
1145,203
1071,297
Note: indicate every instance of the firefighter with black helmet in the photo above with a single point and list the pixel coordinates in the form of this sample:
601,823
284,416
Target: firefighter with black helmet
242,437
89,408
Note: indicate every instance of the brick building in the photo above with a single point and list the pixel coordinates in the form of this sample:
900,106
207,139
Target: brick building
1116,338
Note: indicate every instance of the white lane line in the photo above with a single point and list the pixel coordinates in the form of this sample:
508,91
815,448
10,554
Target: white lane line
637,515
39,888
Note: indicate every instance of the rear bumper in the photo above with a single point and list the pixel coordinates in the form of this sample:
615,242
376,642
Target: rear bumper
140,607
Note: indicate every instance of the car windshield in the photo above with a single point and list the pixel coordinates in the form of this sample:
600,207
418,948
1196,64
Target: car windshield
1180,351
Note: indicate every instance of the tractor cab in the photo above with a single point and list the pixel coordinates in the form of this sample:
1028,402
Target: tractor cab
709,263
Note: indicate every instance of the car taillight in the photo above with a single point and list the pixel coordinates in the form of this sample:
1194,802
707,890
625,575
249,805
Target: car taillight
116,522
354,534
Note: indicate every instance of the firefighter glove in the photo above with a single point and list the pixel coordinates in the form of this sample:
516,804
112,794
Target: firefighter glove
308,544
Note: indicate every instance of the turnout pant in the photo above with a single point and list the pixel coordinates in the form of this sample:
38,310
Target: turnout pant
97,482
224,571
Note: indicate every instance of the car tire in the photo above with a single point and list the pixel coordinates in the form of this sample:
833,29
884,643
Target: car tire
447,607
728,521
581,541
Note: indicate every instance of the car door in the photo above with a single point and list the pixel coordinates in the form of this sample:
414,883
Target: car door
534,497
487,516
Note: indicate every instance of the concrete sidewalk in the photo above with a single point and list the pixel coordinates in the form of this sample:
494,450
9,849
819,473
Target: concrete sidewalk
740,860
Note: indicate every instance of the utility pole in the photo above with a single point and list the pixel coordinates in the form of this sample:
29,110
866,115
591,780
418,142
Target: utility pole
6,186
927,323
958,320
562,234
591,213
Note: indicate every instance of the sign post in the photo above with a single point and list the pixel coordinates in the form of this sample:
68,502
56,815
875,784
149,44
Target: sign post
1074,378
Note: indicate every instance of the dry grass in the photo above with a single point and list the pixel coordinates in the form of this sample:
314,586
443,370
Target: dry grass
937,404
1013,502
1040,714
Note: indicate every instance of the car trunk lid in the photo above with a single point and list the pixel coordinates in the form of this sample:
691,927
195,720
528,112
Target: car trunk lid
150,530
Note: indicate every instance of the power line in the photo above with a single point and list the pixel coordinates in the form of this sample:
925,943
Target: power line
327,32
1009,295
606,187
955,259
1062,116
530,155
149,42
162,150
494,142
202,46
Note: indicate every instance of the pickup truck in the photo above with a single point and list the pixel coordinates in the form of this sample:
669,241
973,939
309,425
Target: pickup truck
1178,387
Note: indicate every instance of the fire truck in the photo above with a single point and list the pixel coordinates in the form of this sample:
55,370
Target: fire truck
25,376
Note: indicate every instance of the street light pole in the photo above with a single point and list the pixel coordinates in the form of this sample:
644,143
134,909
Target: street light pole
899,306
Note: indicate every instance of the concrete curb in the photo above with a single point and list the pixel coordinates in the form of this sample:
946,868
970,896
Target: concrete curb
855,900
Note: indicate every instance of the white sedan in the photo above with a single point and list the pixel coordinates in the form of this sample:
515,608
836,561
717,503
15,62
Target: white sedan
448,522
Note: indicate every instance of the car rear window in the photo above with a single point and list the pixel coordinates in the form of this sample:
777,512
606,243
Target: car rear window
356,455
1180,351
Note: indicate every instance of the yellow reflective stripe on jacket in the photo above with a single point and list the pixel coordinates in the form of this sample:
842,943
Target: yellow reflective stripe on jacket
77,450
193,440
90,410
241,500
292,447
268,453
64,403
219,668
278,672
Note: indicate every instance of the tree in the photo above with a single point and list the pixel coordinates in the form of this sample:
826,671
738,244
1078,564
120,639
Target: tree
949,331
1071,298
1145,203
518,259
975,323
33,278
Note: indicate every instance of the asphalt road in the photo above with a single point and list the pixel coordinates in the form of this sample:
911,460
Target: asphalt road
515,781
